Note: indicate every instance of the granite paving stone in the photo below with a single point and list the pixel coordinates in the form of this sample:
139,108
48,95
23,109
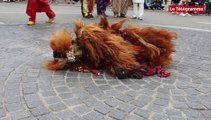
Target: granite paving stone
159,117
66,114
39,111
117,114
142,113
82,109
58,106
72,101
2,113
134,117
126,107
103,109
48,117
20,115
52,100
93,116
113,102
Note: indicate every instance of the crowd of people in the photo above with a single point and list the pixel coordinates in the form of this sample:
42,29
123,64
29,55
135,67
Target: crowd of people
118,7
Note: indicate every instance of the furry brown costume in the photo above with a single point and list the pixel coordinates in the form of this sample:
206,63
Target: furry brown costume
99,49
106,46
60,42
154,45
105,50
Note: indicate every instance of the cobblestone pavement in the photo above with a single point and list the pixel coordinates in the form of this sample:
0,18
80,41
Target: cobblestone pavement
30,92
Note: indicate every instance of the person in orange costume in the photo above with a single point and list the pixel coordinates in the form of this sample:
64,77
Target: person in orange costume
34,6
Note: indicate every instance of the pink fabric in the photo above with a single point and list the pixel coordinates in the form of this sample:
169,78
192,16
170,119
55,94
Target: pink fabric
156,70
34,6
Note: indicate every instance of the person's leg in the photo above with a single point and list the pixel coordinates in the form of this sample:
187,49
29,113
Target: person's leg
31,11
98,9
141,10
116,7
124,7
50,13
90,4
43,6
83,8
104,4
209,8
135,7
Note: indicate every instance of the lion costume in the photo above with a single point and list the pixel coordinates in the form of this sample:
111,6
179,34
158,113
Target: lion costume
123,52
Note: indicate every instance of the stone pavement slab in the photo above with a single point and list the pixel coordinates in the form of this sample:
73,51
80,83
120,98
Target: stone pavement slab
30,92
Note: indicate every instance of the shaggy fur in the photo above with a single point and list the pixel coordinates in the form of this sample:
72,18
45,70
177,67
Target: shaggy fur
61,42
100,49
154,45
107,46
105,49
160,38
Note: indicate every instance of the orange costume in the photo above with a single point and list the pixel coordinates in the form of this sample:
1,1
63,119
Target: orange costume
34,6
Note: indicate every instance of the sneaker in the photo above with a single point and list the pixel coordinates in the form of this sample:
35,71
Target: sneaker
134,17
50,20
30,23
85,16
182,14
187,14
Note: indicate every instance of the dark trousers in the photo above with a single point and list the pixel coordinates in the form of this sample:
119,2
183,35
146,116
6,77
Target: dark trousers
101,6
208,8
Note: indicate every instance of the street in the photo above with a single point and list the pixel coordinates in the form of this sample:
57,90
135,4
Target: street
30,92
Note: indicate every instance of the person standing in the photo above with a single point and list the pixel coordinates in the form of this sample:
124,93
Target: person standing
87,4
138,9
208,7
120,7
34,6
101,7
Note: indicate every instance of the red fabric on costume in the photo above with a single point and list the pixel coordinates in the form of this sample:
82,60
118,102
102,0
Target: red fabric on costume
34,6
109,2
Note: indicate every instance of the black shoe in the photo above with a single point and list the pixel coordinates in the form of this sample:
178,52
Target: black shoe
90,16
115,16
134,17
122,15
121,73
